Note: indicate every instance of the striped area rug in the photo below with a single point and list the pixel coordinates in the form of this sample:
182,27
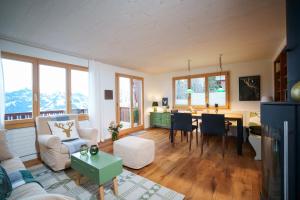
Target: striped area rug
131,186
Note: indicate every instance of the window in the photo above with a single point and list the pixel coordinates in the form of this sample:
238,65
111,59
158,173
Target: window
52,90
198,94
18,89
79,91
181,96
206,89
36,87
217,90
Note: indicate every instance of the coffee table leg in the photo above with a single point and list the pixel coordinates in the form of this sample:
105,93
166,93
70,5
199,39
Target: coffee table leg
115,182
101,192
78,176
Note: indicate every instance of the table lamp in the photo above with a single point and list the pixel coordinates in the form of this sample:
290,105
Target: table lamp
154,105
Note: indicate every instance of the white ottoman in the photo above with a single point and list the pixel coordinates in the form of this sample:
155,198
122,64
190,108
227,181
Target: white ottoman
136,152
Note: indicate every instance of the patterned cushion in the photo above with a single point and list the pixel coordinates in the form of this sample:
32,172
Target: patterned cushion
5,184
65,130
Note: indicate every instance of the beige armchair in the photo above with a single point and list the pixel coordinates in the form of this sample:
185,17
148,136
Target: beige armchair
52,151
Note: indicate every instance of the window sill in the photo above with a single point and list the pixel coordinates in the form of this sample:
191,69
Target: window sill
22,123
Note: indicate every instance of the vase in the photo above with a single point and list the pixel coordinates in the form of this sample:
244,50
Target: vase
114,135
295,92
84,149
94,150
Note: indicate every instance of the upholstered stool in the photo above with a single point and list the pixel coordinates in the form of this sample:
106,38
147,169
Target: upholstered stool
135,152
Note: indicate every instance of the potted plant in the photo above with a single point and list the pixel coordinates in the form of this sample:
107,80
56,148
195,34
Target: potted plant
114,129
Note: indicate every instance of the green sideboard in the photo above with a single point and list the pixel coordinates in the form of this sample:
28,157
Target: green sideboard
160,119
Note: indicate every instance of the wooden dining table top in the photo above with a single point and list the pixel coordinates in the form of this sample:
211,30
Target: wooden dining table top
227,115
231,115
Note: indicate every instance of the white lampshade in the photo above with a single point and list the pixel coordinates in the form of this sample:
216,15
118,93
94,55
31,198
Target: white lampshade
266,99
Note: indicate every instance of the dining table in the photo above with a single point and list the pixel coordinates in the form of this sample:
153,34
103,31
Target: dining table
232,117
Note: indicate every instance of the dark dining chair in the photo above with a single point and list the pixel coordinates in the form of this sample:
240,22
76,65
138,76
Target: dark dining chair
184,123
213,124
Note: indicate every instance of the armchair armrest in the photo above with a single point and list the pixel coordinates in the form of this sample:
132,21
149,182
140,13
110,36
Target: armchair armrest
48,197
50,141
88,134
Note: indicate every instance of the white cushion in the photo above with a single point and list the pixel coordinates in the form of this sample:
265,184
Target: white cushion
135,152
65,130
5,152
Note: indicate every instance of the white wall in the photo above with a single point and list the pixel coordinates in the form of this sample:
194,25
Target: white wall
264,68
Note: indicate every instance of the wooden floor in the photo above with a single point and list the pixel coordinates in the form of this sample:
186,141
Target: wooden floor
206,177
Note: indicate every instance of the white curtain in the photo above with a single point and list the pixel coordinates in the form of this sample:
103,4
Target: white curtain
2,95
95,101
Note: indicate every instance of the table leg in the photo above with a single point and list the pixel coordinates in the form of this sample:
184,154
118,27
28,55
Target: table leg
115,185
101,192
78,177
172,132
240,136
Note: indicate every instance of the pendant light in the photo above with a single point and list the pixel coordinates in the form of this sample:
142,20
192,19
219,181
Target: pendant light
189,90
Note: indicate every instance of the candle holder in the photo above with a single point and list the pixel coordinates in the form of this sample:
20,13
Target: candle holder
216,107
94,150
84,149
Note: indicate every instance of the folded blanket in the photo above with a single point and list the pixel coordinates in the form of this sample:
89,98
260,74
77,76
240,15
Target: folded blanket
21,177
74,145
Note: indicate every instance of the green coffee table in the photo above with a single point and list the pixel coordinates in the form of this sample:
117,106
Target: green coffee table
99,168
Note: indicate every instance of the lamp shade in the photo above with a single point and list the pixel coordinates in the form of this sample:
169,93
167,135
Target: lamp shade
189,91
154,103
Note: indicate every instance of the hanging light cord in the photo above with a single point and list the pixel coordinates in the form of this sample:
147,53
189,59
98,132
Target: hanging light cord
189,66
220,61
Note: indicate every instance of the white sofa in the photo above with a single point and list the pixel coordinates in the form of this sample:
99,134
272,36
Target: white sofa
52,151
32,191
135,152
29,190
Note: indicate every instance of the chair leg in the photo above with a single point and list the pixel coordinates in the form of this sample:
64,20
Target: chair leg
226,140
202,142
207,140
197,137
223,145
181,135
191,138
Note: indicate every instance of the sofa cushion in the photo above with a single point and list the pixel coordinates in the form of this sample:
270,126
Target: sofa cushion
12,165
27,190
5,152
65,130
42,126
5,184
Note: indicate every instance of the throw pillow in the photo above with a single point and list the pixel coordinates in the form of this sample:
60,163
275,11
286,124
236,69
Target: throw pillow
5,153
65,130
5,184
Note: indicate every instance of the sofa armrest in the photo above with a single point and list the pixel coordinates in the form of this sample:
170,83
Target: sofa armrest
50,141
88,134
49,197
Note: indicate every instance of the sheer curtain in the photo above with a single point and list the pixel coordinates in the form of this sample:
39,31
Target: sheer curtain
2,95
95,107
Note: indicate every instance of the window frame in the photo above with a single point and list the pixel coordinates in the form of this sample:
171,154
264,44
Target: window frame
36,62
206,75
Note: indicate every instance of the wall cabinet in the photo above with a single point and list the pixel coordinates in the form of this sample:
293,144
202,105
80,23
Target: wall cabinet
160,119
